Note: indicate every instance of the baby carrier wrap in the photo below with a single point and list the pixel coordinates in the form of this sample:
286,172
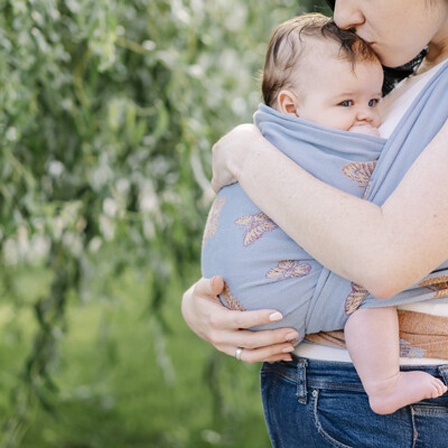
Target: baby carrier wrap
264,268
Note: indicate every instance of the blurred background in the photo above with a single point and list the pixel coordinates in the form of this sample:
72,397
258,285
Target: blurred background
108,111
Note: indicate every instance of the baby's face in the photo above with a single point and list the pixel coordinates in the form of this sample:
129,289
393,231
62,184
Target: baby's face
334,94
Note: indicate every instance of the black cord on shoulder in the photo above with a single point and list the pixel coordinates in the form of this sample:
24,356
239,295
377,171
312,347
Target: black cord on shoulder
392,76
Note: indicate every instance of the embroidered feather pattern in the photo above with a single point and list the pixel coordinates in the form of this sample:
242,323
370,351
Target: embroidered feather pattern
229,301
289,269
354,299
437,284
255,226
408,351
212,224
359,172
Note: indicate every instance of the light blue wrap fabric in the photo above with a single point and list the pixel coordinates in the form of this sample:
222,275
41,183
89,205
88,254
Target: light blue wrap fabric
264,268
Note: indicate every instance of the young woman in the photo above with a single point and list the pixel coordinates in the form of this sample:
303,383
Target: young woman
316,400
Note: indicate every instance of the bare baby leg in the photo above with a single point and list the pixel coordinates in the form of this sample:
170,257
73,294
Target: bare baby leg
372,339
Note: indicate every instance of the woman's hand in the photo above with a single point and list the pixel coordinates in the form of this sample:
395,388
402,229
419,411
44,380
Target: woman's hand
229,154
227,330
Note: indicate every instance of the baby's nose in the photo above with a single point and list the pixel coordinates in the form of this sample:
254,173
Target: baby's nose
368,114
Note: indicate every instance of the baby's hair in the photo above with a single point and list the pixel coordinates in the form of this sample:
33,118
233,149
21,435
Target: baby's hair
290,41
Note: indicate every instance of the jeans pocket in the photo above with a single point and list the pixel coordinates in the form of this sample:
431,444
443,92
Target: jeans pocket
431,426
344,419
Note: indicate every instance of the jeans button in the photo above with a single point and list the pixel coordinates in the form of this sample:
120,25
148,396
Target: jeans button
314,393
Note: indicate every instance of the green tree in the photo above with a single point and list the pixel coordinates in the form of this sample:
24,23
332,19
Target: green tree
108,111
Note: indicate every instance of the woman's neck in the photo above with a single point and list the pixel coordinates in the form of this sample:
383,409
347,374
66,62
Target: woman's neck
437,53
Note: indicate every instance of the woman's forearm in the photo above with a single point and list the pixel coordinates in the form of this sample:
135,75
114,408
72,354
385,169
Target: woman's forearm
385,249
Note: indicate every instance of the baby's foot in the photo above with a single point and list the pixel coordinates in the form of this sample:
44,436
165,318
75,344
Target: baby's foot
405,388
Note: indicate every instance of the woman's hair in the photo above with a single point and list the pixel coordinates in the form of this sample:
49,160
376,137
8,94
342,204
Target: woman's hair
294,39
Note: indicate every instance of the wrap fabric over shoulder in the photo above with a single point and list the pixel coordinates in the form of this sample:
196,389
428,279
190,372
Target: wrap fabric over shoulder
416,129
264,268
421,335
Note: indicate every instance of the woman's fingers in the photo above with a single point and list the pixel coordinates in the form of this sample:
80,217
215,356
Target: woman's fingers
227,330
248,319
200,305
208,288
267,354
271,353
265,345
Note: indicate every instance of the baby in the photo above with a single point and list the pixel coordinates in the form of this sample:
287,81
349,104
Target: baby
318,83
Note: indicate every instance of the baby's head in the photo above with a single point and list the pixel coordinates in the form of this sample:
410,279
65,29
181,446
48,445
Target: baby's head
317,71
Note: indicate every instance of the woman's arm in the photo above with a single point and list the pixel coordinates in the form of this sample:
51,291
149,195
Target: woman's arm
227,330
385,249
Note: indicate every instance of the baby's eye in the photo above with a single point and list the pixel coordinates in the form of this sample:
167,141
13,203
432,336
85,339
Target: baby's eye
346,103
373,102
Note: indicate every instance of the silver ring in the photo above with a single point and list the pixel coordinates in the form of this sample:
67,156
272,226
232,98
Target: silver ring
238,352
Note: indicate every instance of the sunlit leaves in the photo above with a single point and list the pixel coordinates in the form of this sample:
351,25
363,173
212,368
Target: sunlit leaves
108,111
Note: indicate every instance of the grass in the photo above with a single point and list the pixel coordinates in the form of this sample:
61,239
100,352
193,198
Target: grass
125,381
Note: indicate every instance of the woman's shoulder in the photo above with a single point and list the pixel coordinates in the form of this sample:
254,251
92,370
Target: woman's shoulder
394,105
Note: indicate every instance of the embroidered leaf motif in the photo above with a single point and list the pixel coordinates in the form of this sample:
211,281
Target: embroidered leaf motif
354,299
289,269
367,190
229,301
359,172
213,219
407,351
255,226
437,284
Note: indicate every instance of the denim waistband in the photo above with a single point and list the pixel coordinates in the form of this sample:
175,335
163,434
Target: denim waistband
313,374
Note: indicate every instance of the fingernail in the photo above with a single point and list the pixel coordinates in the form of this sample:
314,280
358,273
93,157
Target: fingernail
288,349
291,336
275,316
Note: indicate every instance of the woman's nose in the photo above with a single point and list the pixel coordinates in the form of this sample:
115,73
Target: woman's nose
347,14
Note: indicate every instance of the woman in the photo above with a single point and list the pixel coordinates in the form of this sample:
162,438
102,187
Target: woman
316,400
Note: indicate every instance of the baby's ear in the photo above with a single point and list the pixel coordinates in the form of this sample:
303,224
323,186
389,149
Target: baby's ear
287,103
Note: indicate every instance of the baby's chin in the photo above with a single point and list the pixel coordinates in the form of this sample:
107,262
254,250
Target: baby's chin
366,129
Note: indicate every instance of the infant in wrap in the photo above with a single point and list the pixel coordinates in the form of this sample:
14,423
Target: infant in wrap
321,88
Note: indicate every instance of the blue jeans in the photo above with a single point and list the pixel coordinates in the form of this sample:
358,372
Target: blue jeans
321,404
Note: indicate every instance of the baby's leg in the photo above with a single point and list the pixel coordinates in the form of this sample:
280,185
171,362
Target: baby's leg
372,339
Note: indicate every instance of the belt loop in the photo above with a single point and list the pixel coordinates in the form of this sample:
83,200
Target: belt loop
302,365
443,372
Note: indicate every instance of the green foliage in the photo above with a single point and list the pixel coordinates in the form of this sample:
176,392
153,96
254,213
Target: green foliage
108,111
